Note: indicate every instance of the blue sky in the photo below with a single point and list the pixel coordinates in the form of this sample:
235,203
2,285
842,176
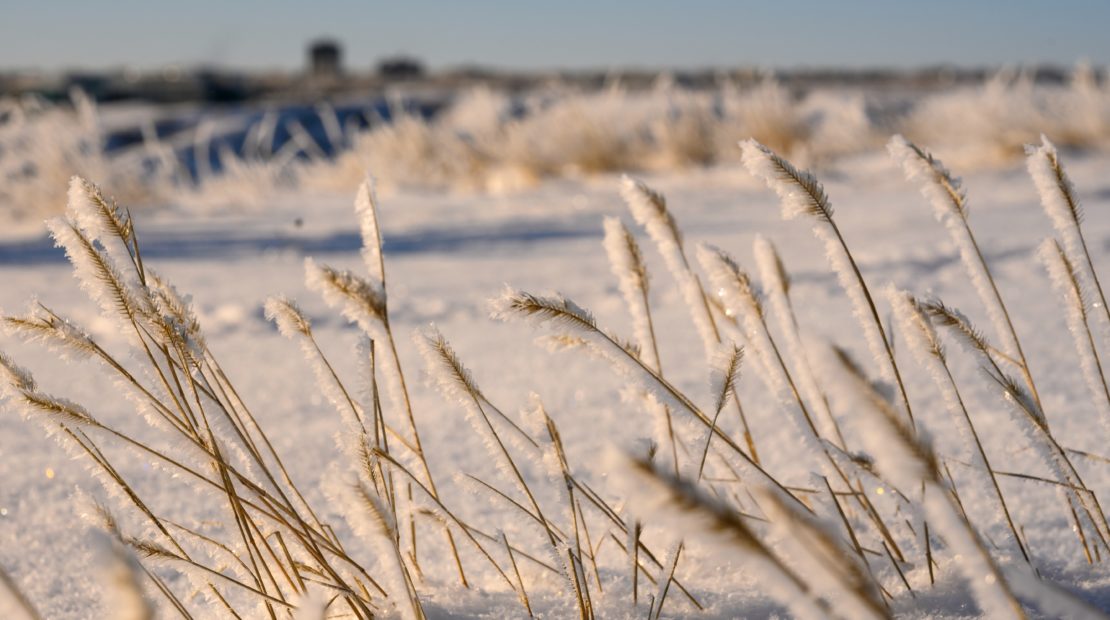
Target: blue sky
55,34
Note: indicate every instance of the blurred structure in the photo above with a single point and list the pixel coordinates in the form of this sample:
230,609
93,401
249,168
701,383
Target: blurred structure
325,59
400,68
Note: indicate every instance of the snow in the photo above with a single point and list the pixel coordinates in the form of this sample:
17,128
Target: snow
447,254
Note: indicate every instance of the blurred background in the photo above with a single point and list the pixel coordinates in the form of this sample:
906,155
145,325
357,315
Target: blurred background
223,105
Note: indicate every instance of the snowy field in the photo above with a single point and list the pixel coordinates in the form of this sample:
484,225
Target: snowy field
448,254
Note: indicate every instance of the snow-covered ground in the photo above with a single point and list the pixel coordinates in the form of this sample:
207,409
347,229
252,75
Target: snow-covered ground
448,254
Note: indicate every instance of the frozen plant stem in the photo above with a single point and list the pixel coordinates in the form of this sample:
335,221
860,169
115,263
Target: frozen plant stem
1066,282
949,201
1032,419
1063,208
649,208
909,463
776,284
802,194
921,339
272,550
564,316
365,303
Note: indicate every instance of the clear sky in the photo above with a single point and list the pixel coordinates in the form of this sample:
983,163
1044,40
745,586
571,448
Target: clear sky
56,34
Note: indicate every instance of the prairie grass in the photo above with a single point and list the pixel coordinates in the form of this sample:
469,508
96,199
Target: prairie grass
571,541
496,142
42,145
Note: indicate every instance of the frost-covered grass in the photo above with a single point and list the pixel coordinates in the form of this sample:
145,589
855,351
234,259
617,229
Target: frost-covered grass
496,142
896,495
43,144
489,141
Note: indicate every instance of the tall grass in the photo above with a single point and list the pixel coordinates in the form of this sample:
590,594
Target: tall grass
880,520
43,144
491,141
990,123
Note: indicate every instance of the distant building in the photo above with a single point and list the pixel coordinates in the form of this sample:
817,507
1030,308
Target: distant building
325,59
400,68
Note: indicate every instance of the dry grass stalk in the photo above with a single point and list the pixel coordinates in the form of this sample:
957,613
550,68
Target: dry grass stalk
275,549
649,208
191,400
802,194
924,343
910,463
723,378
656,493
832,570
364,302
741,300
776,285
950,205
1033,421
564,316
1060,202
1065,280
